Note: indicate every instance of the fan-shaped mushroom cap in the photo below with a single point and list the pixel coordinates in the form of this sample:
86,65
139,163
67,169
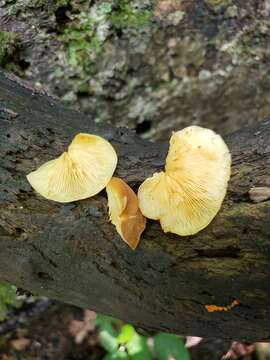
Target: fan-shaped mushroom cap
124,212
188,195
81,172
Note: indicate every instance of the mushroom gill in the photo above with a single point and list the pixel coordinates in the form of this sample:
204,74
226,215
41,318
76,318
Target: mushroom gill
81,172
189,193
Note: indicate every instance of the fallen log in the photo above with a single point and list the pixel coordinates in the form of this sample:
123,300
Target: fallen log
70,252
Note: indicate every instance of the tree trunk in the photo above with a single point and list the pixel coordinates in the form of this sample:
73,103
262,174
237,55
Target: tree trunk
72,253
153,65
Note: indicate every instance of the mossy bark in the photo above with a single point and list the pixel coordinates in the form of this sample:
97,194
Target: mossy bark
72,253
151,65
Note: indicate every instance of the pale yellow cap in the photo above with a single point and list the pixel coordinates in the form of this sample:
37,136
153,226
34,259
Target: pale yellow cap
189,193
81,172
124,212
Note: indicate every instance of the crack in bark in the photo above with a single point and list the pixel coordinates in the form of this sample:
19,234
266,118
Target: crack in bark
227,252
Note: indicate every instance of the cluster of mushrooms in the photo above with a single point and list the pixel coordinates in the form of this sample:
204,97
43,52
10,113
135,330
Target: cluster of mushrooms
185,197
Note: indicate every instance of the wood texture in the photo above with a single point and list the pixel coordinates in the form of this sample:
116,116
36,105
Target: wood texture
72,253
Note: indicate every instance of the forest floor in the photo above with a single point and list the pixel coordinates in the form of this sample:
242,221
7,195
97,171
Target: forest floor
51,335
45,329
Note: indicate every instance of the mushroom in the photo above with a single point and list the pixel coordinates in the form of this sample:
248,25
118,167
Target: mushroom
124,212
81,172
189,193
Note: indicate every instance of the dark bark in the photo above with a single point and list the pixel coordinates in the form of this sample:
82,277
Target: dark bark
72,253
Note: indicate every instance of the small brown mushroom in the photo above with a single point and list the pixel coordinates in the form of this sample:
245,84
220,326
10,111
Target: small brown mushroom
124,212
81,172
189,193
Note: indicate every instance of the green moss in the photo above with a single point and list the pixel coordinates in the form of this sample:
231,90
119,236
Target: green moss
125,15
81,43
232,11
61,3
218,5
9,42
84,35
15,6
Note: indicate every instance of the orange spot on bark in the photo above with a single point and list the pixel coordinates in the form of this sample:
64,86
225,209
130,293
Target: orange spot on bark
213,308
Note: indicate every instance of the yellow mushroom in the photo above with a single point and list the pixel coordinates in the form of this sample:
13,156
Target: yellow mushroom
124,212
81,172
189,193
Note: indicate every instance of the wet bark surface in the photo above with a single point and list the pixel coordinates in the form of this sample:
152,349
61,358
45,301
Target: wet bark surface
72,253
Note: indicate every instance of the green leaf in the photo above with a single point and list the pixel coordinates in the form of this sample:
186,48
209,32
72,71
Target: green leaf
108,341
137,348
168,346
107,334
101,319
126,333
8,296
8,293
118,355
